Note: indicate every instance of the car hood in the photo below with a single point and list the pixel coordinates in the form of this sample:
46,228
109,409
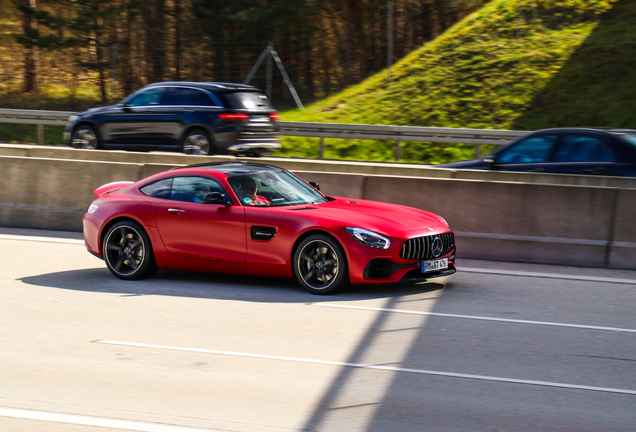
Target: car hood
469,164
99,110
384,218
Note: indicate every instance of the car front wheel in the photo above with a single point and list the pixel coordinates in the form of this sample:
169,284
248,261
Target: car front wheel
85,137
320,265
128,252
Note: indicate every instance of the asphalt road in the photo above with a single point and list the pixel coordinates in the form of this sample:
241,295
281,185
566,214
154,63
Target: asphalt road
496,347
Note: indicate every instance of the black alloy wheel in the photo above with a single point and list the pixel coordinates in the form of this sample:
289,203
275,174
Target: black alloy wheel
196,142
128,252
85,137
320,265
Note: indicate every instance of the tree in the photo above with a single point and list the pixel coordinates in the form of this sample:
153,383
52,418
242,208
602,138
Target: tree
29,40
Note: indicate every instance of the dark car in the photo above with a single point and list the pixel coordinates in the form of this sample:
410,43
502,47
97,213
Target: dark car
196,118
608,152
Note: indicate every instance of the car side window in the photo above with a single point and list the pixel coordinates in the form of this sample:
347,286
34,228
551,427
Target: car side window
161,189
151,96
194,189
535,149
186,96
200,98
582,148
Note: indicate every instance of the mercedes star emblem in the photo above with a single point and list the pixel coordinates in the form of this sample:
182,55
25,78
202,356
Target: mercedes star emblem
437,247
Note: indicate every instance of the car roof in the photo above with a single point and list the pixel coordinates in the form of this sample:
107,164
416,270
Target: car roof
206,85
590,129
232,168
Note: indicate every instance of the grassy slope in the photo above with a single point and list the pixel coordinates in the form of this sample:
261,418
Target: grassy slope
559,71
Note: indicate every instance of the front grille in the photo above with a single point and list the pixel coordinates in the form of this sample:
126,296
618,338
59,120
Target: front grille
420,248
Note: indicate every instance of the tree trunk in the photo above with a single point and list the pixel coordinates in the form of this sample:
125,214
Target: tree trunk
155,40
158,70
177,39
31,53
349,61
99,53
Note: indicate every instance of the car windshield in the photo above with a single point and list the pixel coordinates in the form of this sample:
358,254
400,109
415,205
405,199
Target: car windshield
250,100
274,188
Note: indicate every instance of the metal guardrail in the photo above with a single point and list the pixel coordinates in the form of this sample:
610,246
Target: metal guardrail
399,134
37,117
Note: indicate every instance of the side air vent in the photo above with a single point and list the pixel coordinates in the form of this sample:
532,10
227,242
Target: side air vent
263,233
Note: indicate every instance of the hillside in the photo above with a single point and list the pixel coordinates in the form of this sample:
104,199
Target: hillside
566,63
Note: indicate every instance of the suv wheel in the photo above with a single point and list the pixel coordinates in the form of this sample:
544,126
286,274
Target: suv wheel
196,142
84,137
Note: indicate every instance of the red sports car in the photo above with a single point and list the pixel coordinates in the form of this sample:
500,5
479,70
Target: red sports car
254,219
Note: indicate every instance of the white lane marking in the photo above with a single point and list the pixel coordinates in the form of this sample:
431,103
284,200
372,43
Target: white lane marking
94,421
482,318
375,367
41,239
548,275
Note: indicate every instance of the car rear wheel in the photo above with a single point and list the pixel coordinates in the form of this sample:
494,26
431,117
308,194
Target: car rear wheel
196,142
128,252
320,265
85,137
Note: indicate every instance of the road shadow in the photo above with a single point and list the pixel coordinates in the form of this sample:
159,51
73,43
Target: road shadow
595,87
217,286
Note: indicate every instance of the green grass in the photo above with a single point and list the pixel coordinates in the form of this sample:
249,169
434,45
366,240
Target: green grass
574,66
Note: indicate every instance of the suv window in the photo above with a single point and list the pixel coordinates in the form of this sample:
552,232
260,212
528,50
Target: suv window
151,96
582,148
160,189
630,139
536,149
250,100
194,189
186,96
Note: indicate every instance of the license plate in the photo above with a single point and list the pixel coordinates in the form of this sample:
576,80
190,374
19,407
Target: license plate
435,265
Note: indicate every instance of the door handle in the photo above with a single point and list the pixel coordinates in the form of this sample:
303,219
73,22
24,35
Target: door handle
175,211
188,111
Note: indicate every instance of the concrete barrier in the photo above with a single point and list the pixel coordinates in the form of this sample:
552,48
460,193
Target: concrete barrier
553,224
622,253
53,193
368,168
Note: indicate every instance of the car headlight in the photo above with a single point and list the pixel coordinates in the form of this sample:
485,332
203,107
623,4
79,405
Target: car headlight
73,118
369,238
92,208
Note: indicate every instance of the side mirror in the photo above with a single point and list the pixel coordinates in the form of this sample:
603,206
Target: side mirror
314,185
490,161
216,198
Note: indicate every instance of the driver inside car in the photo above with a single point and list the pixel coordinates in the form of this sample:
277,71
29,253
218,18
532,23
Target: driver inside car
247,192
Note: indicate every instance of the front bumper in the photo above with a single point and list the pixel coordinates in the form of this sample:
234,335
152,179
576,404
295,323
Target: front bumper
247,146
380,270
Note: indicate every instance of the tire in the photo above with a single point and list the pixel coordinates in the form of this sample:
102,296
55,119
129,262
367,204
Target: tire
85,137
197,142
320,265
128,252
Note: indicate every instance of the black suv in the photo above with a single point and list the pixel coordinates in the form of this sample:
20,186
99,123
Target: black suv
196,118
